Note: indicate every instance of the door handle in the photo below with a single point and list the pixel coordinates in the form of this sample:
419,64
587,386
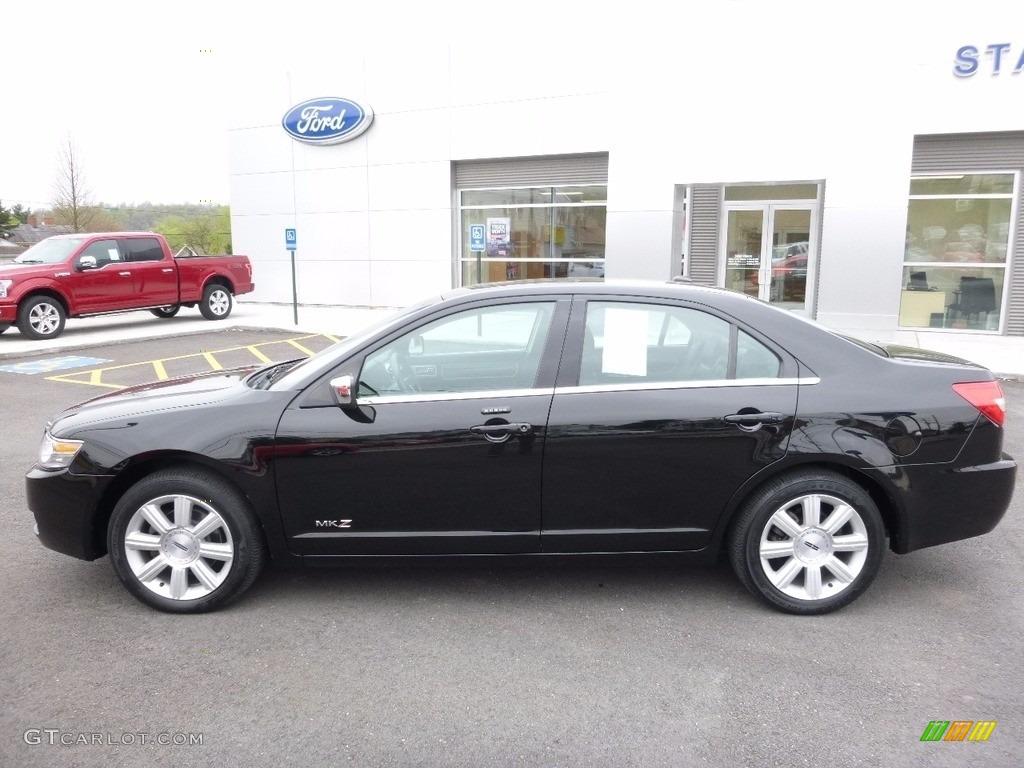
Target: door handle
751,419
166,269
125,274
500,429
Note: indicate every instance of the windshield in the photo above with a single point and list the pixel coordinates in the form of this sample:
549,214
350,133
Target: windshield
50,251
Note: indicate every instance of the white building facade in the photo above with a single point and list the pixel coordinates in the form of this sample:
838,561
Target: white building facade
868,178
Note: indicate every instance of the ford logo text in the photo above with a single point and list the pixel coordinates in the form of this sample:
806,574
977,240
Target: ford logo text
328,120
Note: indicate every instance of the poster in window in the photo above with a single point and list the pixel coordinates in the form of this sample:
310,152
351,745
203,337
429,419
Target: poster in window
499,236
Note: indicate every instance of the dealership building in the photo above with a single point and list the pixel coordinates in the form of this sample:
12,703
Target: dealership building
873,185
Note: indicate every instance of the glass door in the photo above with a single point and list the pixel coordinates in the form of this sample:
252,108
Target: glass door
768,252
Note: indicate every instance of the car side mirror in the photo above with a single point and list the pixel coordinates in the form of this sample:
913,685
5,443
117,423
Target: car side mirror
86,262
341,390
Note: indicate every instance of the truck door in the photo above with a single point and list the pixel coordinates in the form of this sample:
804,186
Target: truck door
154,277
100,283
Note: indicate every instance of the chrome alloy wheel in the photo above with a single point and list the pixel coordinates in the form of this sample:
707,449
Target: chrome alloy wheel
179,547
813,547
44,318
219,301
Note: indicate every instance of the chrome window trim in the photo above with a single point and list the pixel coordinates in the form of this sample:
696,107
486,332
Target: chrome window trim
444,397
439,397
705,384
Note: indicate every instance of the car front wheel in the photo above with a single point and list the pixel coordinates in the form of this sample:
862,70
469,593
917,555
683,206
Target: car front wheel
41,317
185,541
216,303
808,543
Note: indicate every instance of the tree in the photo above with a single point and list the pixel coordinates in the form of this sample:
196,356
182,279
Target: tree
72,198
21,213
7,222
208,232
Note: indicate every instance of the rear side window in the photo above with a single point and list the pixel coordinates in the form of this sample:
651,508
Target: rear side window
144,249
627,342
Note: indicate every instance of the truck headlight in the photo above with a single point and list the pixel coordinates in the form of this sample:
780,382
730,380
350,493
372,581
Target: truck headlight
4,285
55,453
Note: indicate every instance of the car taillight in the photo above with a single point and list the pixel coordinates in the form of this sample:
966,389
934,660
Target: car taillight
986,396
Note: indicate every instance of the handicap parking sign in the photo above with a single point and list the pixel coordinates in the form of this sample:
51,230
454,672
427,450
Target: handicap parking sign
476,238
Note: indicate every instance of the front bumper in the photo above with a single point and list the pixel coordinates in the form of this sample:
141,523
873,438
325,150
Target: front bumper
8,313
67,513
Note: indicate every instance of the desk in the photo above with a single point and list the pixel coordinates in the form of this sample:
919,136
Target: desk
917,307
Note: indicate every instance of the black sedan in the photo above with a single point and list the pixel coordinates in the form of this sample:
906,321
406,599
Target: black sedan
551,418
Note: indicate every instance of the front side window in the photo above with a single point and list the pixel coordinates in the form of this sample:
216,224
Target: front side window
104,251
532,232
957,246
478,350
630,342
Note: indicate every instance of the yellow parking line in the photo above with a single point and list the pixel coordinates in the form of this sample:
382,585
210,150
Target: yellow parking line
260,355
95,376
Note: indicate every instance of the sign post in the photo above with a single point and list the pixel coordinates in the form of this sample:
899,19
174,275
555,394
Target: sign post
290,244
477,246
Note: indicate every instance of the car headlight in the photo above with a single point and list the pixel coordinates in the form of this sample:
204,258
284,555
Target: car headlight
4,285
55,453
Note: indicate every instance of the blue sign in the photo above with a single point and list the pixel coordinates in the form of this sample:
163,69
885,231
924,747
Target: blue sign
476,238
289,239
329,120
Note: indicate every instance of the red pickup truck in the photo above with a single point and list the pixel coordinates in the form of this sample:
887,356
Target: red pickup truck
92,274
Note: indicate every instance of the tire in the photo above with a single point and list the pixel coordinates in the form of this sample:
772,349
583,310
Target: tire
216,303
808,543
169,311
158,533
4,328
41,317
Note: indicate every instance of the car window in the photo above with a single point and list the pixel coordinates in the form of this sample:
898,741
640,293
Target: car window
144,249
484,349
104,251
631,342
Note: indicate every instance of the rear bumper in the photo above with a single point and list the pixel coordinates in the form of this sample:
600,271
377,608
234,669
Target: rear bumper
65,510
954,504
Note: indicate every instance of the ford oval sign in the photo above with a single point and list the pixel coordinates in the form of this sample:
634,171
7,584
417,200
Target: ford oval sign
328,120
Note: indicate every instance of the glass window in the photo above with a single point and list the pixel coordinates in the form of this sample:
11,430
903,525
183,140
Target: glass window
625,343
957,245
736,192
144,249
104,251
497,347
534,232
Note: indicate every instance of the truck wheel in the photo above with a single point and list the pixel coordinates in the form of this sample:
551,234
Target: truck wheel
41,317
169,311
185,541
216,303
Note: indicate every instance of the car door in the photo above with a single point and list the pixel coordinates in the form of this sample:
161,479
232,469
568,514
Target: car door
101,281
442,451
154,279
662,411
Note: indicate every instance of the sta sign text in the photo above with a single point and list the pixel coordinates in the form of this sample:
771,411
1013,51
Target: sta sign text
995,59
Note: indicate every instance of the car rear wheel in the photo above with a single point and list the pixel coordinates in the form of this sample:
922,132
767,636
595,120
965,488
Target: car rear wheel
808,543
216,303
185,541
41,317
169,311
